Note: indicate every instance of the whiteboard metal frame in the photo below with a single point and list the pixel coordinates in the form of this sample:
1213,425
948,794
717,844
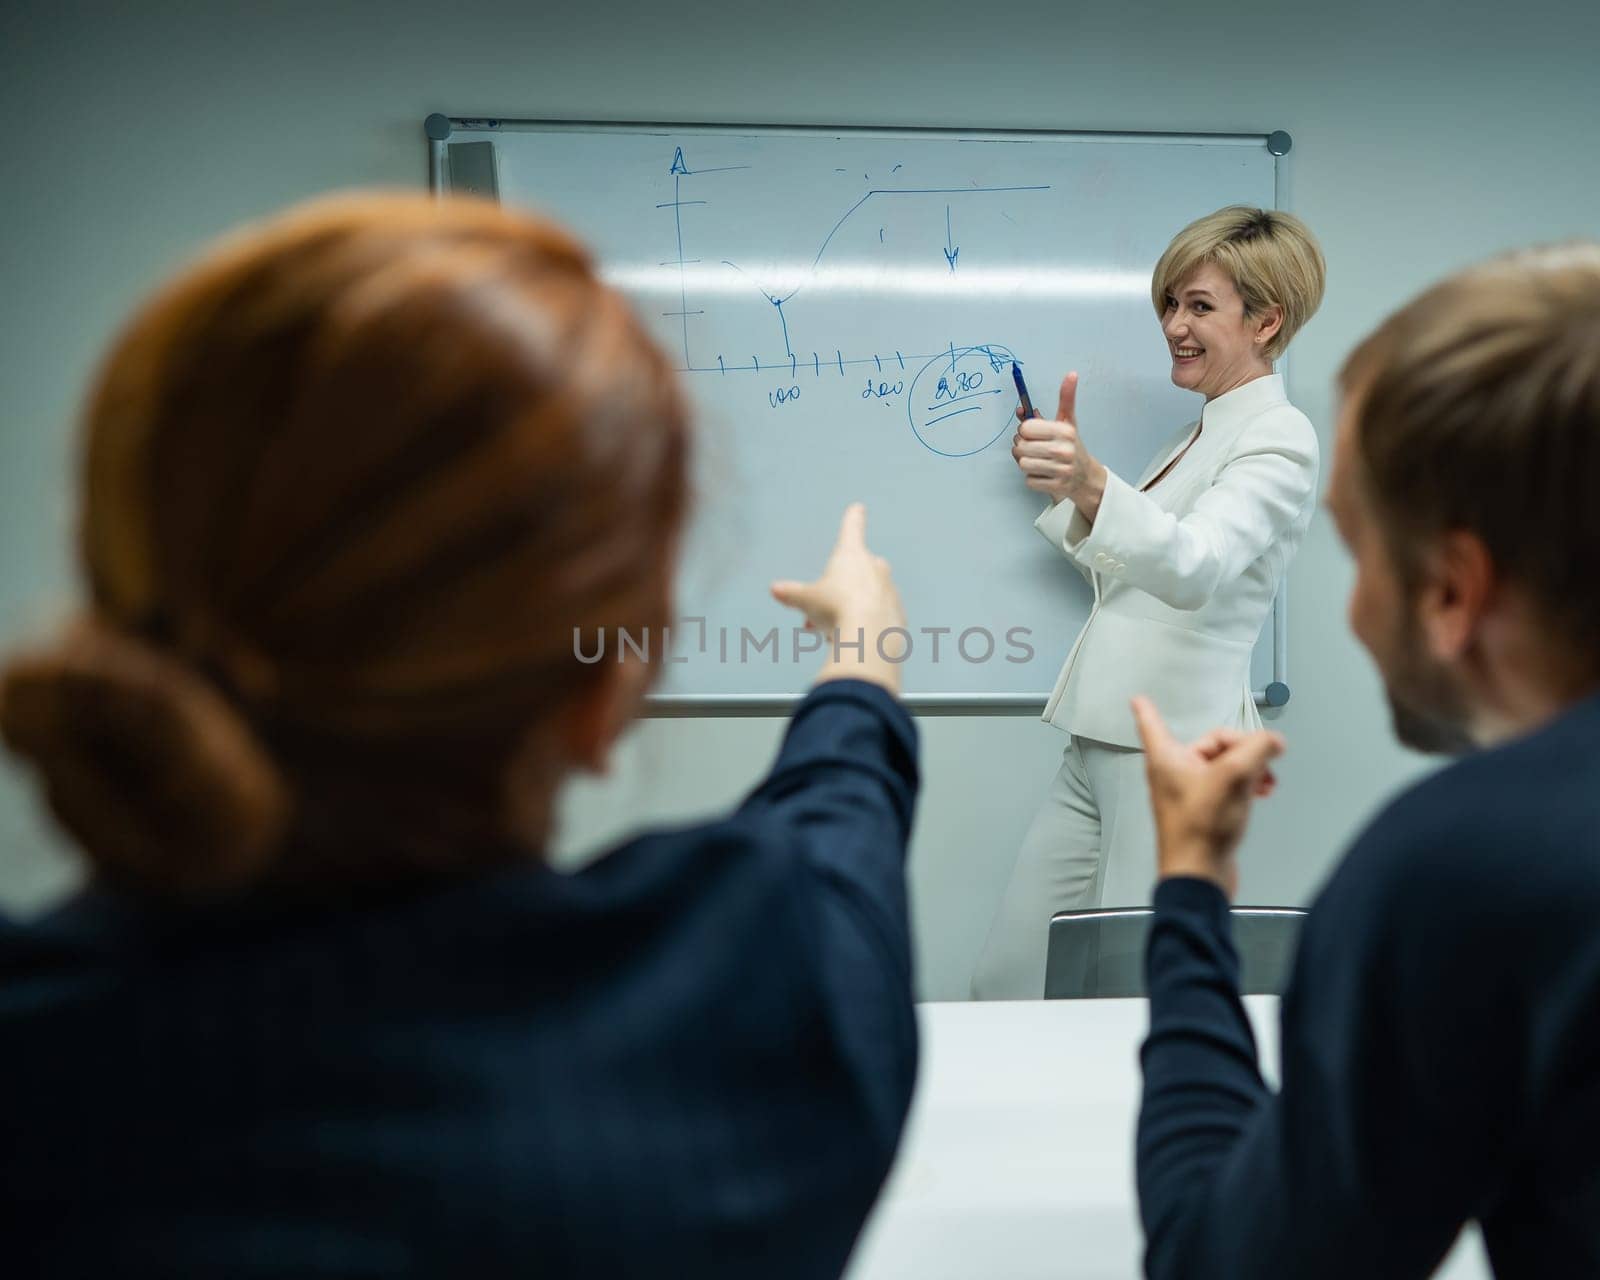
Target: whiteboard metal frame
438,128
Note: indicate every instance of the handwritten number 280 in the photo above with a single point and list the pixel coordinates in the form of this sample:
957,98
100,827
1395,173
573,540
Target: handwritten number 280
964,382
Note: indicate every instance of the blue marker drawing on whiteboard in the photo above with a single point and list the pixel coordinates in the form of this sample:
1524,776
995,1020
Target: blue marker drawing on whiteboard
679,169
685,174
951,251
952,408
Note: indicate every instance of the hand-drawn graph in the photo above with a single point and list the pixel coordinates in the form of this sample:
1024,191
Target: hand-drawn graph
844,306
950,410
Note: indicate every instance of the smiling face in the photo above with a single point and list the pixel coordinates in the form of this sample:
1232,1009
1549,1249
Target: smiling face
1215,345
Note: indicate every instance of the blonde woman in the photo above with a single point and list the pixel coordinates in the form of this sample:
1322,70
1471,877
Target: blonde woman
1185,562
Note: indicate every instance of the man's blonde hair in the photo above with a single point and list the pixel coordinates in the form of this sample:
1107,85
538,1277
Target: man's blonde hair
1271,257
1477,407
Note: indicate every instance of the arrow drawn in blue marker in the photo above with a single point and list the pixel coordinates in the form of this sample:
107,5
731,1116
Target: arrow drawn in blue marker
678,165
952,251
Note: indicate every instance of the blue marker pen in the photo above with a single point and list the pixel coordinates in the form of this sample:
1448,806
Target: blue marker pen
1028,411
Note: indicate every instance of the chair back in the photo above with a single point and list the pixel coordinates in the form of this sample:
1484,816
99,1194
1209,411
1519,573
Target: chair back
1100,954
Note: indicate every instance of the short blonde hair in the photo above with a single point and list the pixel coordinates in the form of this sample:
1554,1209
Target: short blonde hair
1271,257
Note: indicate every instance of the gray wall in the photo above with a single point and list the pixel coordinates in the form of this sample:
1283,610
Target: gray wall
1426,135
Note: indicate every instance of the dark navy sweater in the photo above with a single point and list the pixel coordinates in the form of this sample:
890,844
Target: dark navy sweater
1441,1044
693,1058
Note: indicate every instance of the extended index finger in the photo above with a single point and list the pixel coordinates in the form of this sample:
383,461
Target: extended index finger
1153,731
853,528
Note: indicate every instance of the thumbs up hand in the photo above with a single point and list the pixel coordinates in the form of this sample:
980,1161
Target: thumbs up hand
1053,459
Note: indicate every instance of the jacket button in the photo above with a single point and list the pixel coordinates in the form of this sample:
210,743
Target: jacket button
1100,557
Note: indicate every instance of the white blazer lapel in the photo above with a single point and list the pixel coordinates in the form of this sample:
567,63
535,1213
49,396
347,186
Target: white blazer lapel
1167,455
1224,419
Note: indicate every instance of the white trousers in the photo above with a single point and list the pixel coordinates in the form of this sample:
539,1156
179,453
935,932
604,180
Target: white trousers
1092,844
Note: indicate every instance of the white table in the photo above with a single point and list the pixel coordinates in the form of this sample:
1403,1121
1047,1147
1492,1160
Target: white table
1017,1159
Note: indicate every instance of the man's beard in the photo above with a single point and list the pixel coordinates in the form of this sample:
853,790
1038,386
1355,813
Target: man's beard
1432,715
1428,731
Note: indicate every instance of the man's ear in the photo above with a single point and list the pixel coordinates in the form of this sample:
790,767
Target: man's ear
597,716
1457,591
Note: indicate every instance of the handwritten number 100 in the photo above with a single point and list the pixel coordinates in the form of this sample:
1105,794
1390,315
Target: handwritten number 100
782,396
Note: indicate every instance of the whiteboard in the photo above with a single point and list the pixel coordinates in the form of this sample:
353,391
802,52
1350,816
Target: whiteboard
844,306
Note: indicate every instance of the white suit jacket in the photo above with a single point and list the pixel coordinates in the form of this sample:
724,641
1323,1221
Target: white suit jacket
1185,575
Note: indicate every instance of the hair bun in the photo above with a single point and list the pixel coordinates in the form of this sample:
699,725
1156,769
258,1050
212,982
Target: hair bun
163,782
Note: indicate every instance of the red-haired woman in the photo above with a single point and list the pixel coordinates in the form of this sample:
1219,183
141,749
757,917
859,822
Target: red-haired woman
352,485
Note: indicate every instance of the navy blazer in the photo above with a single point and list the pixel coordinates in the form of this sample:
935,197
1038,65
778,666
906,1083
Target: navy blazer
693,1058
